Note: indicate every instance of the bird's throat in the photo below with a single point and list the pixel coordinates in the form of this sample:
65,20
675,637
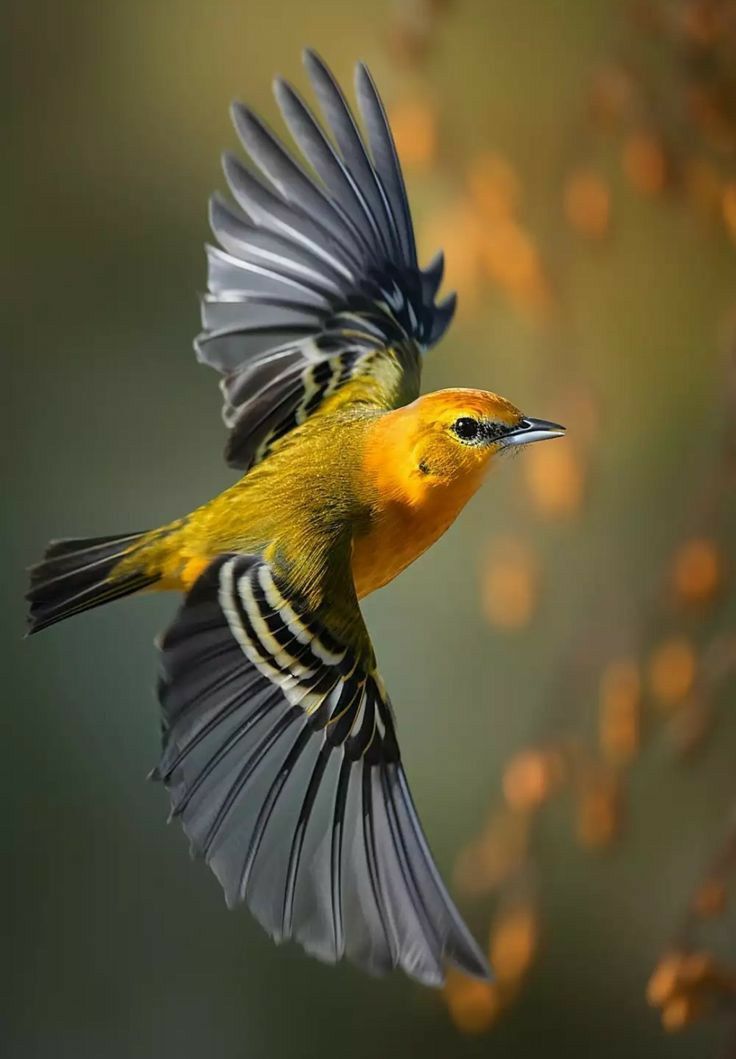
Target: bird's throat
401,530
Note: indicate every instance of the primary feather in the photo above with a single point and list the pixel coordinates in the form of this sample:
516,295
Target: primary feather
315,268
282,763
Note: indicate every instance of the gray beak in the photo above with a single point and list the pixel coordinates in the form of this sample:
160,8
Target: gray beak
533,430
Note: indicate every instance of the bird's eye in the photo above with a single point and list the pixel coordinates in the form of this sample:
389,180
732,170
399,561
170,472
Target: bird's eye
466,429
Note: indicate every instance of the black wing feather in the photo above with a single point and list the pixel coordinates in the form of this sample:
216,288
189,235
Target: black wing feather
322,259
386,160
247,242
281,760
329,167
293,184
340,120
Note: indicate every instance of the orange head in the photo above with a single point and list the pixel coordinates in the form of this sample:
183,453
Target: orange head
447,439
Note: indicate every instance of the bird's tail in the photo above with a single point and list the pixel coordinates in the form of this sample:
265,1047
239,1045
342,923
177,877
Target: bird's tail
78,573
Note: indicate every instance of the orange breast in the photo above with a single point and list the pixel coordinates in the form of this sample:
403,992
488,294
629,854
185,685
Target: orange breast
400,532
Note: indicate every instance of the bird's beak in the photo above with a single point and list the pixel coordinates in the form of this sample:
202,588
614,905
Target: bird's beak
530,430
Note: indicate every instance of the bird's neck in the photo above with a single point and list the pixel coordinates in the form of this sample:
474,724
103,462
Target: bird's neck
409,510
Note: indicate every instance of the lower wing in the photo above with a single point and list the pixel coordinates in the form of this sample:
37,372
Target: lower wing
280,756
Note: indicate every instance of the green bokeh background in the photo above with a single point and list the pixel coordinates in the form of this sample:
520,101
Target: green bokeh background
117,945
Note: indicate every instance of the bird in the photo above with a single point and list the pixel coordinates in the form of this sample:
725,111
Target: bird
279,749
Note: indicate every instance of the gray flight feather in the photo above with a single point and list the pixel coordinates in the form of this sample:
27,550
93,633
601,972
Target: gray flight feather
280,758
317,259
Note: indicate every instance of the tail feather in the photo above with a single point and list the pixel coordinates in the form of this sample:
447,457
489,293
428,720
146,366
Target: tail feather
74,575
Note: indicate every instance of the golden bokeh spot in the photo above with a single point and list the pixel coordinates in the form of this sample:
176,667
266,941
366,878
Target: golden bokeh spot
686,984
620,711
677,971
473,1004
663,981
682,1010
555,479
599,809
511,260
587,202
513,942
644,163
709,900
698,969
698,570
508,254
510,584
672,671
531,777
414,127
496,855
494,186
455,228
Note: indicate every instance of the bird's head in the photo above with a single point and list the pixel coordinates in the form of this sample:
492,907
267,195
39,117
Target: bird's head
448,437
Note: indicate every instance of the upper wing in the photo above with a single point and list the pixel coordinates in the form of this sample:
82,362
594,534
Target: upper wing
281,759
316,281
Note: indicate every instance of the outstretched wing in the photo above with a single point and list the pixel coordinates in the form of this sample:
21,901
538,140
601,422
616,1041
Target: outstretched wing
315,282
281,759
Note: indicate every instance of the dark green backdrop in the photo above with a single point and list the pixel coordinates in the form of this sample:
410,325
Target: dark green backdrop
117,945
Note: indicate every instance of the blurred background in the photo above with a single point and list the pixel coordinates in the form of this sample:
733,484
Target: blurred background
562,661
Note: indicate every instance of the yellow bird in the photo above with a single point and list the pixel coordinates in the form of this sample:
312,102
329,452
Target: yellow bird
279,745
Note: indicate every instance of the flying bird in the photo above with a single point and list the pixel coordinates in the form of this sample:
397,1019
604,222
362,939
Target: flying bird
279,745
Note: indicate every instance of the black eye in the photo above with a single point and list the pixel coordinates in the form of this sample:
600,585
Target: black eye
467,429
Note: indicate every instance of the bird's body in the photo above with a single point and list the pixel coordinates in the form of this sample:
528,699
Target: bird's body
279,746
327,476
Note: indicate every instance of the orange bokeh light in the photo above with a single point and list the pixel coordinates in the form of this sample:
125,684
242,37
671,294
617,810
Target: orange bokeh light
587,202
672,671
510,584
644,163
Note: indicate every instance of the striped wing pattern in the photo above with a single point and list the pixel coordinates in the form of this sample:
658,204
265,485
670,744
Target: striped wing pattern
316,268
280,756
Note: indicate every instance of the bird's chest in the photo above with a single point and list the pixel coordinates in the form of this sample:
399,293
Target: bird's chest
399,533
